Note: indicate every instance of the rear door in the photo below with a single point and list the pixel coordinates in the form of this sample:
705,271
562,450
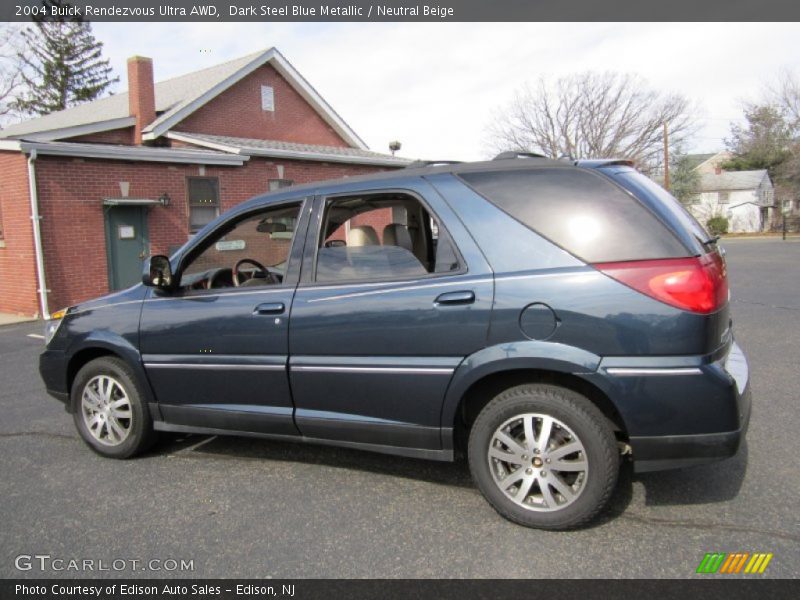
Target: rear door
393,295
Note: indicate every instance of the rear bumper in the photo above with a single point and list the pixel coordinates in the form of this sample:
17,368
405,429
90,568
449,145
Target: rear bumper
693,412
658,453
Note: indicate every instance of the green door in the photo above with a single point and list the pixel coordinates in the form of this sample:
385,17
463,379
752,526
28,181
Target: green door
126,244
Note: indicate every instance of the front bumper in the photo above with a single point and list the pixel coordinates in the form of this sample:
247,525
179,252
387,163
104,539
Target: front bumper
678,420
53,370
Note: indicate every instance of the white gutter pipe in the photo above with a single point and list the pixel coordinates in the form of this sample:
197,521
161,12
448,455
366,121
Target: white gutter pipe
37,236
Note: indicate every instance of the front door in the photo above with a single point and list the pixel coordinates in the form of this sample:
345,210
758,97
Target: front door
126,244
216,349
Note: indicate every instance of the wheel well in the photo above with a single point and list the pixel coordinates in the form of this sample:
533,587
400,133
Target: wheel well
82,357
482,391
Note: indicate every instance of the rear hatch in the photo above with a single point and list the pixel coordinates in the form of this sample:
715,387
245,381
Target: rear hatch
634,232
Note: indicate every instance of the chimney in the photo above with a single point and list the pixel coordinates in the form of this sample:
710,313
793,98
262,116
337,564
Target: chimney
717,170
141,94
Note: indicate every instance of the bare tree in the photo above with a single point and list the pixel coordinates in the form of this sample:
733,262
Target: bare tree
10,69
593,115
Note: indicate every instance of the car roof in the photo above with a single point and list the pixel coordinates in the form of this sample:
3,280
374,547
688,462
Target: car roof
425,169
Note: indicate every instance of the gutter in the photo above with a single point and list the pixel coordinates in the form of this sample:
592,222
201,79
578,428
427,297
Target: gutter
37,235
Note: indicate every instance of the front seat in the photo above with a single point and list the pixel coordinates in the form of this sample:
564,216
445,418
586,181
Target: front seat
362,235
396,234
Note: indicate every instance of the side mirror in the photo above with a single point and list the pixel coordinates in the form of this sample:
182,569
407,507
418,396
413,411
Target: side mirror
157,272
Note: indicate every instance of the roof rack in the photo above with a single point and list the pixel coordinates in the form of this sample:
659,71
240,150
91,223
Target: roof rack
417,164
512,154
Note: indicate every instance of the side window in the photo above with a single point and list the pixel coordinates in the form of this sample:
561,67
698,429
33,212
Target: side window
253,251
381,236
203,202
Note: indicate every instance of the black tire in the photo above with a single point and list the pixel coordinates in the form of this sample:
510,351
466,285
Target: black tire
578,415
140,434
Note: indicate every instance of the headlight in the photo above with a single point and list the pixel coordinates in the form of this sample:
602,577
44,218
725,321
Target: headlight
52,324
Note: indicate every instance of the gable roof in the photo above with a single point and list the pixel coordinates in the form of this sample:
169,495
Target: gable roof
176,99
291,150
695,160
728,181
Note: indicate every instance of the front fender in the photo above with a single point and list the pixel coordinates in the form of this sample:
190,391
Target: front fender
117,344
529,354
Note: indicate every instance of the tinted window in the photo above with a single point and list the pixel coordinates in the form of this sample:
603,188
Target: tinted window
581,211
644,187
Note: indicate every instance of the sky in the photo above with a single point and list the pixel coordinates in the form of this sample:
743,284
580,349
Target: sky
437,87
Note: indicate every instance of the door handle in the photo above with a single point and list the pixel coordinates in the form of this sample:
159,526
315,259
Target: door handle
450,298
269,308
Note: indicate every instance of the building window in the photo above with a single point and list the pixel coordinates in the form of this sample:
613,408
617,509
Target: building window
203,202
267,98
724,197
276,184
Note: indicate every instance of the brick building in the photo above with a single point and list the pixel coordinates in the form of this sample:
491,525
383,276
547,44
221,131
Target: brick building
87,192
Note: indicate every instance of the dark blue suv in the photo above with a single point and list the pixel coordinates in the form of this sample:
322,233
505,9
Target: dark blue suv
546,316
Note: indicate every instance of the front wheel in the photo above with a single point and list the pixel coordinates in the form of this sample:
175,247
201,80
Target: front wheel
543,456
109,409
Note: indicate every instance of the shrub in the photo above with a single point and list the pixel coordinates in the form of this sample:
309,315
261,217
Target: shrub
717,225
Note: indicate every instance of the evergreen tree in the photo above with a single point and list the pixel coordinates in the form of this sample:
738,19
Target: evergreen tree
763,143
684,179
63,66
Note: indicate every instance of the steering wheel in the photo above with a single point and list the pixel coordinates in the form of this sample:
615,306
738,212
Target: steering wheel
235,271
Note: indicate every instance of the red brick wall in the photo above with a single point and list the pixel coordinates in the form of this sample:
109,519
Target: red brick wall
17,258
237,112
115,136
71,192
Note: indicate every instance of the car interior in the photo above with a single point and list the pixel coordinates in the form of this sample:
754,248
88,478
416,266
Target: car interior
381,236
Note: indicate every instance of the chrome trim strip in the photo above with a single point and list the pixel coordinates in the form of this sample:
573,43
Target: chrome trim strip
403,370
389,290
634,371
215,366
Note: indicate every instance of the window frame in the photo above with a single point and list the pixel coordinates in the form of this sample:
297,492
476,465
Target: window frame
294,257
308,277
189,206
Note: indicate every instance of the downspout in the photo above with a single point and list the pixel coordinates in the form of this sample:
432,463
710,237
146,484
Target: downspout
37,235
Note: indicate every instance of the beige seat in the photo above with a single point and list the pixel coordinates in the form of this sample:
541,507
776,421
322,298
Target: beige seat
395,234
362,235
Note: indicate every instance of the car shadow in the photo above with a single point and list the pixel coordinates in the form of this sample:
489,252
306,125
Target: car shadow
242,448
716,482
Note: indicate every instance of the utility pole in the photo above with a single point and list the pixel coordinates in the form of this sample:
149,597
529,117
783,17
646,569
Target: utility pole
666,157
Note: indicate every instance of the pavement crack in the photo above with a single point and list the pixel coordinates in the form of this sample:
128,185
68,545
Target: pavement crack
765,305
709,526
50,434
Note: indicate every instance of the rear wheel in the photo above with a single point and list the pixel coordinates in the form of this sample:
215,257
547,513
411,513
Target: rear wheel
543,456
109,410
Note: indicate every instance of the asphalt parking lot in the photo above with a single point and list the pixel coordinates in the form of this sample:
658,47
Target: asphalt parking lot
251,508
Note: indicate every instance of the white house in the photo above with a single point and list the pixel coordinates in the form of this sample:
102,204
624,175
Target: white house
745,198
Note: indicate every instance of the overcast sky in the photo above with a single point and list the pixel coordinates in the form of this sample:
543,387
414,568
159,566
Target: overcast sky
437,86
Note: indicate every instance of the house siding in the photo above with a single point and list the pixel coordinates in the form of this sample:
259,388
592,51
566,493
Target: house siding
71,192
237,112
18,282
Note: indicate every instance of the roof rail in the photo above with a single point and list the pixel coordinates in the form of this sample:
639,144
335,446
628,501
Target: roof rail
417,164
514,154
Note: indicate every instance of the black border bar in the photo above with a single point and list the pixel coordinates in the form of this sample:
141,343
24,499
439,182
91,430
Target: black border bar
706,587
415,10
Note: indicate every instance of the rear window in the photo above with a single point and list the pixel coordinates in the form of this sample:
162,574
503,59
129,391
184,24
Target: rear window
581,211
644,187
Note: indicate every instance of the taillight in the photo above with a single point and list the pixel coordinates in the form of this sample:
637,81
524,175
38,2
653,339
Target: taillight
697,284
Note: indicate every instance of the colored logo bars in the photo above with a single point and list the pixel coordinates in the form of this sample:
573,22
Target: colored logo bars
734,563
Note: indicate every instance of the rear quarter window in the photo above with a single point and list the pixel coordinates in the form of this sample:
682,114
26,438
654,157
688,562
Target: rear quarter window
581,211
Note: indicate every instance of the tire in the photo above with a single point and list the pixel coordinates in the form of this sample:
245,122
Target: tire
109,410
579,456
